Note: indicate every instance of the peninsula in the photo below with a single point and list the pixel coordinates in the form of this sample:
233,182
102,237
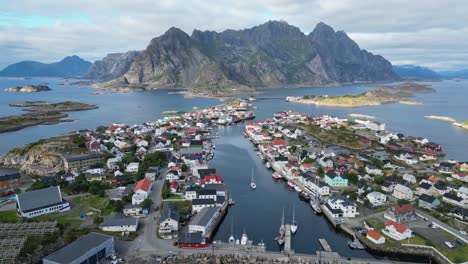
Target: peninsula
28,88
382,94
41,113
454,122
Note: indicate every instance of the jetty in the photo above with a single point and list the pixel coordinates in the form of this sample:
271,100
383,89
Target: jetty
287,240
325,245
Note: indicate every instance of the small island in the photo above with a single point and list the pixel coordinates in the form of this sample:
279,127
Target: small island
454,122
28,88
383,94
41,113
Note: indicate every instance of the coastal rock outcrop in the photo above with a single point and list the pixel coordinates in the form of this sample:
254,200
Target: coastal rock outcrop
111,66
274,54
32,88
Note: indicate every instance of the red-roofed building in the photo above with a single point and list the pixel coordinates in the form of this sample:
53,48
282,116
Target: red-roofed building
212,179
405,212
278,143
375,237
396,230
141,191
433,179
174,186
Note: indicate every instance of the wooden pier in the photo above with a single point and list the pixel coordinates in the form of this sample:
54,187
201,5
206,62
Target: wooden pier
325,245
287,240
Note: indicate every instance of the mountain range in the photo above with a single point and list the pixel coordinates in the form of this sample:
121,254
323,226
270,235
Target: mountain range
414,71
274,54
71,66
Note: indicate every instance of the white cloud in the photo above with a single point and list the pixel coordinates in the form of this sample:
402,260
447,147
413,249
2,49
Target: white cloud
430,32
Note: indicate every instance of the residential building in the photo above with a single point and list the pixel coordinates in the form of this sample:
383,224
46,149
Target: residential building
152,173
134,210
141,191
190,194
132,167
335,180
396,230
198,204
9,180
376,198
373,170
403,213
375,237
118,222
82,161
409,178
90,248
168,221
426,188
402,192
203,220
454,199
340,206
429,202
40,202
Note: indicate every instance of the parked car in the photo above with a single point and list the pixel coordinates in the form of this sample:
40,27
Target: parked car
449,244
463,232
460,242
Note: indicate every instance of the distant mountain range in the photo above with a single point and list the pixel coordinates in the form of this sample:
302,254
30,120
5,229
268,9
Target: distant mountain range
274,54
415,71
71,66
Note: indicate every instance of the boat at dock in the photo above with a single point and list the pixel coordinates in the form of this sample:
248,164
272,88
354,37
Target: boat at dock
356,244
232,240
276,176
303,196
297,188
315,205
268,165
291,185
294,223
244,239
231,202
282,232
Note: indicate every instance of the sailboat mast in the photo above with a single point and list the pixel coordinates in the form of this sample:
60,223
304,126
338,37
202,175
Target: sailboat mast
294,213
282,218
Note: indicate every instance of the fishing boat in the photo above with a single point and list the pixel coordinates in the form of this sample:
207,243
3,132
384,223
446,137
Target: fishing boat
294,223
314,204
282,231
231,201
244,239
268,165
303,196
297,188
237,242
232,240
262,244
253,185
356,244
291,185
276,176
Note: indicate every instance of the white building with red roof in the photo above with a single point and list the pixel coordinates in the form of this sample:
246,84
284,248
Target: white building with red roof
141,191
396,230
375,237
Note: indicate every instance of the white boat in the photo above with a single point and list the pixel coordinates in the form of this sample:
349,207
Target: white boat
297,188
276,176
253,185
315,206
294,223
268,165
244,239
237,242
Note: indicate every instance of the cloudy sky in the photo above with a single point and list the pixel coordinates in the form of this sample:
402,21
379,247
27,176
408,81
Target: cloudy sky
426,32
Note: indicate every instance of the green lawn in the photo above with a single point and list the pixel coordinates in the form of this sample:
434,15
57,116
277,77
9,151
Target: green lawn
8,217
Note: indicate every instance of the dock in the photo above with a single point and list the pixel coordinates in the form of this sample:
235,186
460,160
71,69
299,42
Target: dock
325,245
287,240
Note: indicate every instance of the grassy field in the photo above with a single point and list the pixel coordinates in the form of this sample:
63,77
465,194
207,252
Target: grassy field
8,217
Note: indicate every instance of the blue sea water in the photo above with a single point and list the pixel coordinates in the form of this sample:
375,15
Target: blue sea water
257,211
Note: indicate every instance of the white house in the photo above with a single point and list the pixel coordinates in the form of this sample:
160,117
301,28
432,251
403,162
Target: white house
190,194
406,158
168,221
118,222
204,220
141,191
376,198
132,167
375,237
396,230
409,178
402,192
341,207
373,170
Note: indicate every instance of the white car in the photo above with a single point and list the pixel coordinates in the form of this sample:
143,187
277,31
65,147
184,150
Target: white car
449,244
463,232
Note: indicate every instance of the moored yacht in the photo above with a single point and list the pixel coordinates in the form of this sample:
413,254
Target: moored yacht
282,231
253,185
276,176
244,239
294,223
268,165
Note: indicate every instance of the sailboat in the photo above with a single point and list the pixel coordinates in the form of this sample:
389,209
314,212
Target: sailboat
282,231
253,185
232,240
244,238
294,223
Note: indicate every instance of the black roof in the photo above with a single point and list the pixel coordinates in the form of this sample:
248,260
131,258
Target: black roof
207,192
202,201
42,198
452,196
425,185
205,172
427,198
191,238
169,211
78,248
7,177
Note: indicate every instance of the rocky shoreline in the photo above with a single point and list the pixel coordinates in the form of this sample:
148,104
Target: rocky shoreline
41,113
28,88
454,122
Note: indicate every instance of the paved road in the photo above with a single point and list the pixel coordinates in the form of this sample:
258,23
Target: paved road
444,226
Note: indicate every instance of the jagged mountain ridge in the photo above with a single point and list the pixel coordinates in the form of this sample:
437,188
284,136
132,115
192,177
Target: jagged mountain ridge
274,54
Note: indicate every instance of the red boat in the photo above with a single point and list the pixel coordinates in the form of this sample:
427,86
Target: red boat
276,176
291,184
